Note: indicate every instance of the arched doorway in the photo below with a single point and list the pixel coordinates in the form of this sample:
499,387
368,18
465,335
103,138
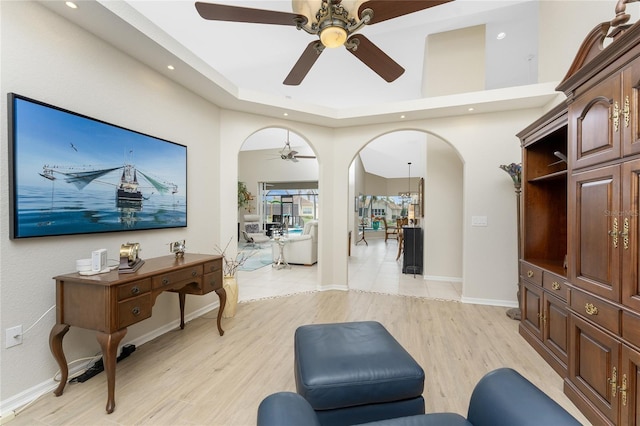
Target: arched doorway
429,191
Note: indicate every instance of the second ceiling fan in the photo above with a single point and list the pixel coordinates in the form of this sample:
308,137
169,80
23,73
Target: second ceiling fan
289,154
335,22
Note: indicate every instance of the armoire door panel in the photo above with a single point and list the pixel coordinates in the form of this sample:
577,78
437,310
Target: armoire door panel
594,197
532,308
594,124
556,325
629,382
593,365
628,216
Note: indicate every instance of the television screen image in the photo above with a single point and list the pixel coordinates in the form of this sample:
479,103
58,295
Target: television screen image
72,174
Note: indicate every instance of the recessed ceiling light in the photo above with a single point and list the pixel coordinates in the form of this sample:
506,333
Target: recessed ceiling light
402,116
71,4
171,67
501,35
470,109
286,114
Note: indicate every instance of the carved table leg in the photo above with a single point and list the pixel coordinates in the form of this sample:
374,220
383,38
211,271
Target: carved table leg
181,297
222,295
109,344
55,344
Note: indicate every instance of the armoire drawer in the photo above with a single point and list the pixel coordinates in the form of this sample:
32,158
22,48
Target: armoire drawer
631,328
555,284
531,272
596,310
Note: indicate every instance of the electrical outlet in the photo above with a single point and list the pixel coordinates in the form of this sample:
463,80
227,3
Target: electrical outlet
14,336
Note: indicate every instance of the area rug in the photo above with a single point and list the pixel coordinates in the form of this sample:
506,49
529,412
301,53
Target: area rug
258,256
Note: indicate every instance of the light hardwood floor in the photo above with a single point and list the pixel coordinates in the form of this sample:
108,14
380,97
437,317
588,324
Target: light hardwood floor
196,377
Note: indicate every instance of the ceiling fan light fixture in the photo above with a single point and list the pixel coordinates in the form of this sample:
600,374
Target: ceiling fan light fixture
333,36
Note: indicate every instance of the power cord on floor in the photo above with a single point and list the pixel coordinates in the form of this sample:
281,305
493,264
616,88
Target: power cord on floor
98,366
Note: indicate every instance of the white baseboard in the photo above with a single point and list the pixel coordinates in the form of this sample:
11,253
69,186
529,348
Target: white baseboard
11,405
439,278
490,302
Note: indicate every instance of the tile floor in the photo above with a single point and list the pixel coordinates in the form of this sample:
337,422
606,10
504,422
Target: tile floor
371,268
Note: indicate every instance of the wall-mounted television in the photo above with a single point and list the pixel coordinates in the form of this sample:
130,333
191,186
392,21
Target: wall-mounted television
73,174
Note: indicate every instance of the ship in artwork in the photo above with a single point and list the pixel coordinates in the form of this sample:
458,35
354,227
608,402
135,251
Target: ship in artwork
128,188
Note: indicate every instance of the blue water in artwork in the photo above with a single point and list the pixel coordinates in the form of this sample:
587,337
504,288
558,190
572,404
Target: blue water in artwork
69,211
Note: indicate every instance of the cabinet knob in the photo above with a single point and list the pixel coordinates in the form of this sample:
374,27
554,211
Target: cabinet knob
591,309
135,290
194,273
555,285
135,311
529,273
165,281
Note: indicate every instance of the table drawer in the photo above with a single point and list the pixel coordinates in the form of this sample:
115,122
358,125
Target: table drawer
185,274
134,310
211,282
531,272
134,289
213,266
596,310
555,284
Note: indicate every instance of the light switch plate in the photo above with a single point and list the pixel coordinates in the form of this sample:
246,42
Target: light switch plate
479,221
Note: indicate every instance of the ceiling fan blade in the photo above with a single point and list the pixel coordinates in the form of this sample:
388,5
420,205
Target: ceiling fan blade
304,64
222,12
374,58
389,9
305,156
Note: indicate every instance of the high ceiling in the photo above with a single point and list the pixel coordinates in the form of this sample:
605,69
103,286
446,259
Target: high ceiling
257,57
241,66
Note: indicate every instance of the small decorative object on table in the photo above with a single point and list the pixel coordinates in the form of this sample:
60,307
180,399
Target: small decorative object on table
229,268
129,260
515,172
178,247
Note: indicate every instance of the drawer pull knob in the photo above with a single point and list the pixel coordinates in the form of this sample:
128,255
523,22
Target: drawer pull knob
135,311
165,281
529,274
194,273
591,309
135,290
555,285
212,283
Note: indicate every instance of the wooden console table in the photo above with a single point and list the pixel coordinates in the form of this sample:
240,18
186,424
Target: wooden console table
109,303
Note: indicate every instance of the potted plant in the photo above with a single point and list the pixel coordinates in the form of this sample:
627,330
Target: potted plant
244,196
375,224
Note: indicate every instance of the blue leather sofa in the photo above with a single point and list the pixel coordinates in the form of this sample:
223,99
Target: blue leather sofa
501,398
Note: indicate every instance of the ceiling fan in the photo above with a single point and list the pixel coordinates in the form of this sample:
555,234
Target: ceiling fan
334,21
289,154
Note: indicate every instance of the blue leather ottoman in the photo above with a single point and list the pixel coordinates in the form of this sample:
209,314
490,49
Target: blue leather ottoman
356,372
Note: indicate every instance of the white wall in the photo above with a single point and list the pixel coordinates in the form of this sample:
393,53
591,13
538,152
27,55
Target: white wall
46,58
443,213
